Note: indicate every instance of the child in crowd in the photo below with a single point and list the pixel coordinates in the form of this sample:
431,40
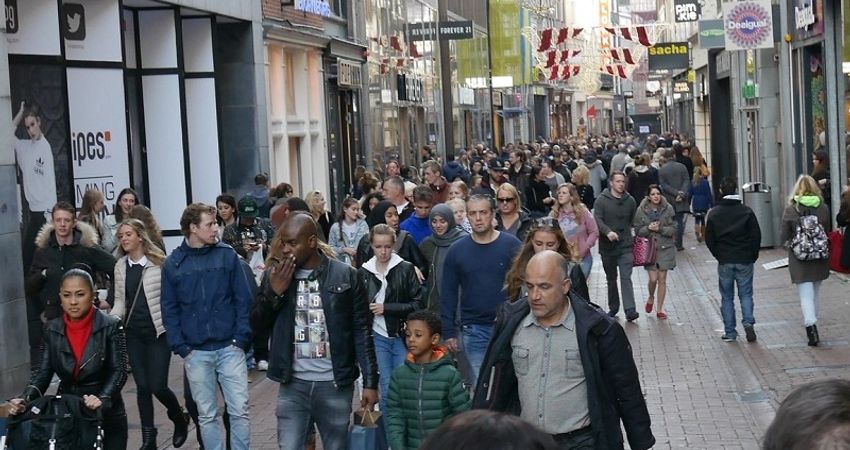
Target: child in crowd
427,389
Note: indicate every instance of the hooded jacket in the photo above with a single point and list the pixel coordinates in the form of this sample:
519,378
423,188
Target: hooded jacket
54,260
614,214
664,215
805,271
405,246
613,383
349,324
403,293
421,397
639,181
732,232
453,170
205,299
597,175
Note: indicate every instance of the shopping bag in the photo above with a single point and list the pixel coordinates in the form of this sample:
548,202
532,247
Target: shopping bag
644,251
836,244
365,432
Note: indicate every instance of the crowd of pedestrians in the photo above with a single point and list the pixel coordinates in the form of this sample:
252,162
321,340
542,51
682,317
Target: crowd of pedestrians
455,285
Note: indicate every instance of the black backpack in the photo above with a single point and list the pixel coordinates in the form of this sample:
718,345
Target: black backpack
58,422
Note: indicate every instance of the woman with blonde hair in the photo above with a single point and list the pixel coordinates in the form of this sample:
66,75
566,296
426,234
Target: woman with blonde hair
581,180
143,213
804,205
316,202
93,204
137,292
510,217
577,224
458,189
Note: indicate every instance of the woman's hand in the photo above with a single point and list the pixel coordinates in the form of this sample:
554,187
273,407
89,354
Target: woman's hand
17,406
377,308
92,402
349,251
419,275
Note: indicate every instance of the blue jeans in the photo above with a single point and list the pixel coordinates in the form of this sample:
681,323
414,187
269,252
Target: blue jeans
728,276
475,341
586,265
298,401
206,370
390,353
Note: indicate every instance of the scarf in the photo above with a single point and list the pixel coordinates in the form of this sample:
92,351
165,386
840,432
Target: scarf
454,233
78,334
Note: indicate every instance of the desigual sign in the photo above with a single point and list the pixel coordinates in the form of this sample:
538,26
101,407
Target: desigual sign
669,56
748,24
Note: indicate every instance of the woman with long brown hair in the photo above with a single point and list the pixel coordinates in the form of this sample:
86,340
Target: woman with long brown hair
577,224
93,204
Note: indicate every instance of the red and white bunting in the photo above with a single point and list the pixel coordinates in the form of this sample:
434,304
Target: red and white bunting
568,33
553,73
397,43
635,34
617,70
401,62
567,54
550,58
623,55
545,40
414,50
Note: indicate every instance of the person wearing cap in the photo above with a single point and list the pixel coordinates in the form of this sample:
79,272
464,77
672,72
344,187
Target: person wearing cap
250,233
497,174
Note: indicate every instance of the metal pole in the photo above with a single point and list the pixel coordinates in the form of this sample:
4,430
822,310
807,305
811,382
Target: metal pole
493,141
833,74
446,81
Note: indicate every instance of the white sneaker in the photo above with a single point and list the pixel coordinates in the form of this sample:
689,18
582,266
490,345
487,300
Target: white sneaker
262,365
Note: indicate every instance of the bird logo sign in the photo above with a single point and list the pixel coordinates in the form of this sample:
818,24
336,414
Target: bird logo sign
73,21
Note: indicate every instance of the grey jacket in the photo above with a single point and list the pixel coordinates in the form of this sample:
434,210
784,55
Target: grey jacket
614,214
673,177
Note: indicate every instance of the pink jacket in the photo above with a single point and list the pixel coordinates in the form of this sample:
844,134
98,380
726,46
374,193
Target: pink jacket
585,235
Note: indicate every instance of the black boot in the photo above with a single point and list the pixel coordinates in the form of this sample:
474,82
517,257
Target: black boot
181,421
812,333
148,439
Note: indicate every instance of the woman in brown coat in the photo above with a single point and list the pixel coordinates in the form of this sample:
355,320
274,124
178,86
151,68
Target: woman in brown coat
806,274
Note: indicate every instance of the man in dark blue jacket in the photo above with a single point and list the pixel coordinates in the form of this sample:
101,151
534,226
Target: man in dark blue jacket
206,303
322,332
564,365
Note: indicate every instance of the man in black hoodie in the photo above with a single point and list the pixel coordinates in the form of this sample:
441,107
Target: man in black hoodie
733,236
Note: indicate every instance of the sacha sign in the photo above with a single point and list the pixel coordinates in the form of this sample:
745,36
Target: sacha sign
669,56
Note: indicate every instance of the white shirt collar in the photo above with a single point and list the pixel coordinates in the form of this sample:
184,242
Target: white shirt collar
143,261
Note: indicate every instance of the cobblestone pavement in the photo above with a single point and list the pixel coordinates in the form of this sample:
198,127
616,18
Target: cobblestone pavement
702,393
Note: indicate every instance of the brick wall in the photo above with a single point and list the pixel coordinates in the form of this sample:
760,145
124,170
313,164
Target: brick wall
272,9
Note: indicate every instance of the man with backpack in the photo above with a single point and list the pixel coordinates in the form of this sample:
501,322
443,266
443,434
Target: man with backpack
733,236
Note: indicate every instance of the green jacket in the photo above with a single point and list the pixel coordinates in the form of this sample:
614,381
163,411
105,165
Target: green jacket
421,397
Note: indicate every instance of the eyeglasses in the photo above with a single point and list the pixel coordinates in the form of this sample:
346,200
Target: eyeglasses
506,199
548,223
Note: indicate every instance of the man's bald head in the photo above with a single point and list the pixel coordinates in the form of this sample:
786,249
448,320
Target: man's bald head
298,236
300,224
548,259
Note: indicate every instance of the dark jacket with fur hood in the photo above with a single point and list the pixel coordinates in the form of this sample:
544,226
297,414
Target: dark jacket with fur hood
52,260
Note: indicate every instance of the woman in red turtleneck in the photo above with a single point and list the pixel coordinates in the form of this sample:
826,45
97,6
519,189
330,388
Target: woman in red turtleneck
85,348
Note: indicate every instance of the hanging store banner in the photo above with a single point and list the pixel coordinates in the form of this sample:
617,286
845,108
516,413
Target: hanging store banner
748,24
712,34
686,10
669,56
512,54
808,18
98,132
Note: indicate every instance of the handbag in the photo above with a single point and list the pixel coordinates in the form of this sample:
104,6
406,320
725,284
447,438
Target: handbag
644,251
367,432
836,244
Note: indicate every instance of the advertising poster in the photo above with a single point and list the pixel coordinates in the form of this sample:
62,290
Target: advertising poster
748,24
808,18
98,133
32,27
40,142
91,30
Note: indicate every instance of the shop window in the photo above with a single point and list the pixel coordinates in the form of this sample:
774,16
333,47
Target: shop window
340,8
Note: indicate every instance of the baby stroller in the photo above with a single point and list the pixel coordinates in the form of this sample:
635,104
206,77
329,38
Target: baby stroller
56,422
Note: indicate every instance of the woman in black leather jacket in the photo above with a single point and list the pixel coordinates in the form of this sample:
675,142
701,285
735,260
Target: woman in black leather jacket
386,213
393,291
86,349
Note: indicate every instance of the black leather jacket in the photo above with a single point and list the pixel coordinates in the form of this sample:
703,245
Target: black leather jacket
348,319
405,247
103,370
403,296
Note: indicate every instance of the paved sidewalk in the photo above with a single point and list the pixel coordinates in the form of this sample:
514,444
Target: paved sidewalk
702,393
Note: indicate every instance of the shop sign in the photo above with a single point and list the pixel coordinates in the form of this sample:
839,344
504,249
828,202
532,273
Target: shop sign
11,16
669,56
748,24
806,14
453,30
723,64
712,34
466,96
681,87
686,10
317,7
408,88
32,27
348,73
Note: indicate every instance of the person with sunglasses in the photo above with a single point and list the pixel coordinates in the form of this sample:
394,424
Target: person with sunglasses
655,218
511,217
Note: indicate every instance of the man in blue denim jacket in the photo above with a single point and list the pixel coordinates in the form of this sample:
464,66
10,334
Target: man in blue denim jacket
206,301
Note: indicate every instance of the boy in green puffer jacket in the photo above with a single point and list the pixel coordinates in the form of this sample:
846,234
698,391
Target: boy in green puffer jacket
427,389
